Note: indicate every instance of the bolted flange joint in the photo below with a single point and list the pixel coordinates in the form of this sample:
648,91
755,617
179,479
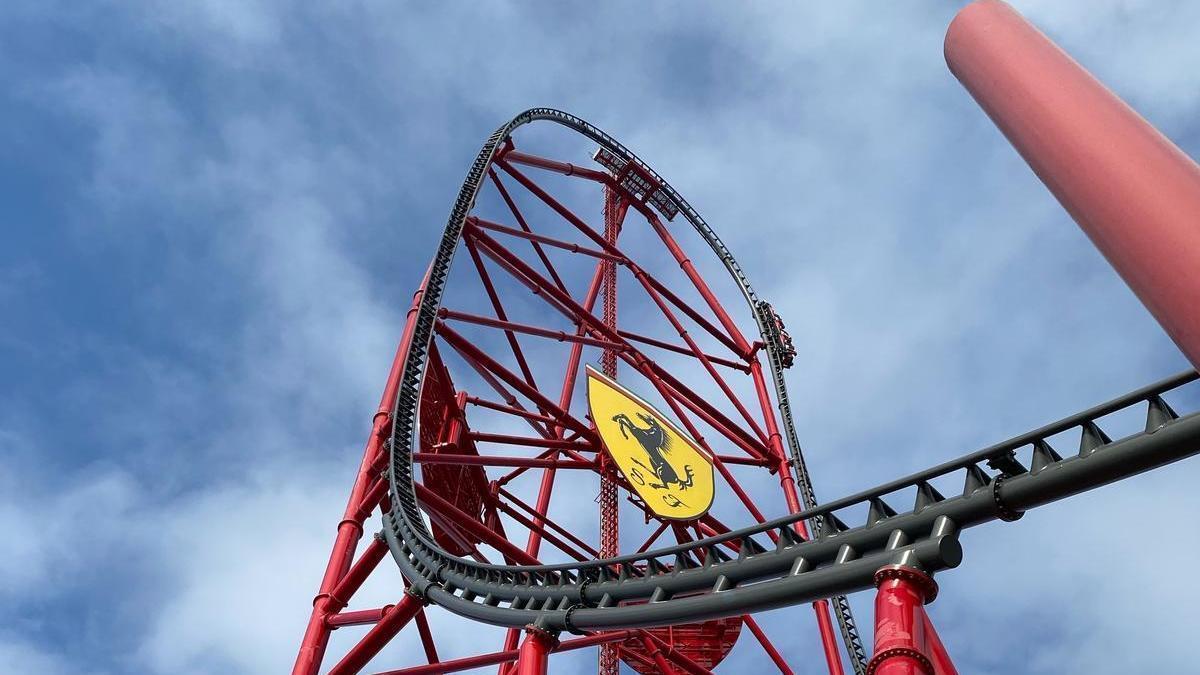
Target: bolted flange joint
914,576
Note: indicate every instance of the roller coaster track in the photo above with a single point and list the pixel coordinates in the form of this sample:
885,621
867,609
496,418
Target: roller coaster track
767,565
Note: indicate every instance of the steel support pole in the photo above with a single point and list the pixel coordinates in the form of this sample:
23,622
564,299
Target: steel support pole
905,641
532,657
1134,193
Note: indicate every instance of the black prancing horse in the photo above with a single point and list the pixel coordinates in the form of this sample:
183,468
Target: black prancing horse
655,441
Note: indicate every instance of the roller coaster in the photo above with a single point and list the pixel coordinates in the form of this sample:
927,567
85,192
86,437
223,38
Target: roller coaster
466,500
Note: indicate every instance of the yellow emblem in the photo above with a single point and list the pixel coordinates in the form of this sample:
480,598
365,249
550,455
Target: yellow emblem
672,474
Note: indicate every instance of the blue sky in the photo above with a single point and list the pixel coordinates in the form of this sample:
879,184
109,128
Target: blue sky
214,215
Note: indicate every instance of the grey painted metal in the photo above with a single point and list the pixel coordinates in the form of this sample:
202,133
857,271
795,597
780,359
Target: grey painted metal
699,580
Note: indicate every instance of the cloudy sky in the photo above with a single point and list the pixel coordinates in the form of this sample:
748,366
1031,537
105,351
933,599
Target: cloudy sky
214,215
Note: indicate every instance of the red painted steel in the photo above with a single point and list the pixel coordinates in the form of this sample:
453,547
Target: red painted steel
391,622
358,617
662,667
662,344
494,658
650,369
704,644
537,247
936,651
531,659
821,608
769,648
565,168
468,523
710,298
542,239
608,661
464,503
316,636
427,458
904,635
339,597
1134,193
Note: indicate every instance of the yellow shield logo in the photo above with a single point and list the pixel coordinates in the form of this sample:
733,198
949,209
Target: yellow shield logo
667,469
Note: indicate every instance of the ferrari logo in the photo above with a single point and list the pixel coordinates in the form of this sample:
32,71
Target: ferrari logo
665,467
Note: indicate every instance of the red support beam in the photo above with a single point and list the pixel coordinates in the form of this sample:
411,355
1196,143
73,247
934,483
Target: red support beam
565,304
766,644
495,658
388,626
427,644
543,239
340,596
500,407
689,269
497,307
525,441
656,655
731,340
537,248
682,662
1131,190
512,499
653,342
492,460
467,523
510,326
565,168
358,617
469,351
543,531
700,355
350,529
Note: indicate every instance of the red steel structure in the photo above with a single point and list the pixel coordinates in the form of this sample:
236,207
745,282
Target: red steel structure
506,460
504,363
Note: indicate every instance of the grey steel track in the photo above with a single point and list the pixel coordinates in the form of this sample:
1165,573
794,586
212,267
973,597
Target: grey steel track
743,570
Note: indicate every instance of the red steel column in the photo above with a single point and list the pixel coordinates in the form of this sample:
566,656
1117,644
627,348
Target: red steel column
904,636
350,529
1134,193
532,658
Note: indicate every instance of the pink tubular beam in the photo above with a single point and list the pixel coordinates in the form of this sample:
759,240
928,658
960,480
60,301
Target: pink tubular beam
1133,192
470,662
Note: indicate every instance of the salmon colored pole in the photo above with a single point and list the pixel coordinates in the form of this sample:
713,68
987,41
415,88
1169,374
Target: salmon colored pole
1134,193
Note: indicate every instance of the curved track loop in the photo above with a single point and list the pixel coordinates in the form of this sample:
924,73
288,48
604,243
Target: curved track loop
743,570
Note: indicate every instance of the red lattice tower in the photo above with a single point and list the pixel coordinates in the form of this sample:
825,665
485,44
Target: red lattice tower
614,214
476,427
524,295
